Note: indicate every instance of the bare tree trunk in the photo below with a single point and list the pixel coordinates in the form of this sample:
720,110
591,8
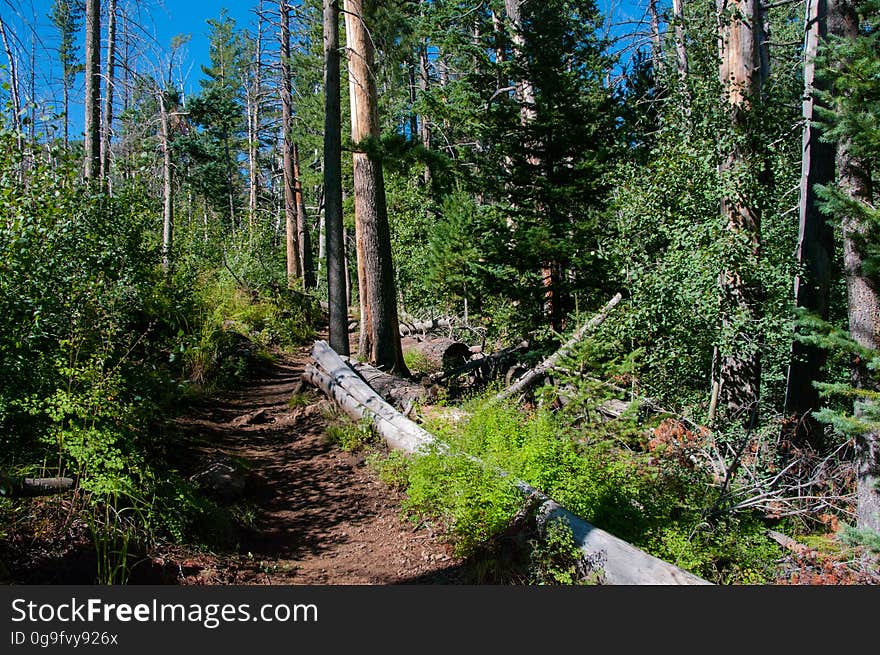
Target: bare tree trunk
293,262
656,46
525,90
13,87
379,323
167,186
424,125
110,83
333,226
681,57
93,90
307,261
815,250
253,102
32,126
863,300
740,36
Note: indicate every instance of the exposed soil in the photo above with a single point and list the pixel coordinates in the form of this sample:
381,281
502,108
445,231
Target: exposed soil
320,515
306,511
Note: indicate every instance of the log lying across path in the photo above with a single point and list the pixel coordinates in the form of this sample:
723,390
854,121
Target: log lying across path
535,375
35,486
621,562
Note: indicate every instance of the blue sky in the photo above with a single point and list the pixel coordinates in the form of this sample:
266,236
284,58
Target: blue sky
159,20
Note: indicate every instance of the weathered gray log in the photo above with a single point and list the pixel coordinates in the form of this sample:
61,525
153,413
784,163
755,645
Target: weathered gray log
340,382
443,354
538,373
18,487
400,392
410,327
621,562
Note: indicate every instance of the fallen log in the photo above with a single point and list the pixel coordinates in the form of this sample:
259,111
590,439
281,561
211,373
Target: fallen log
400,392
28,487
486,367
621,562
538,373
410,327
443,354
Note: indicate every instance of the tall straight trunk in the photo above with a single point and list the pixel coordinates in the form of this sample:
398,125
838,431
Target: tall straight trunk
253,105
552,272
92,141
525,90
110,82
167,186
13,86
863,299
32,126
333,227
293,263
424,125
656,46
380,343
815,250
681,56
307,261
740,370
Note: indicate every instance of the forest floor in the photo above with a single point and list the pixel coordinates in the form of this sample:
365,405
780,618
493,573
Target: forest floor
306,512
320,515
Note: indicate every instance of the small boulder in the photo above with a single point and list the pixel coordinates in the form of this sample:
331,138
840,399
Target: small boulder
221,479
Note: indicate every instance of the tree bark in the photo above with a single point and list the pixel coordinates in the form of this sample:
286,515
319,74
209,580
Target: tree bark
307,261
92,141
398,392
681,56
333,227
443,354
167,186
292,247
254,95
380,336
28,487
109,86
863,300
13,87
815,250
740,35
424,125
656,46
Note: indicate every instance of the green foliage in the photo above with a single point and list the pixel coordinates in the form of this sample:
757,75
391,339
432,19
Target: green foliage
417,362
351,436
555,558
866,537
655,503
392,468
472,503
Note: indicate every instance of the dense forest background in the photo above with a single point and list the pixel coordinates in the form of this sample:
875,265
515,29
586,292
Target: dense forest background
510,164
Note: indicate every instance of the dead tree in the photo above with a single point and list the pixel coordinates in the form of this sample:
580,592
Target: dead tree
92,141
539,372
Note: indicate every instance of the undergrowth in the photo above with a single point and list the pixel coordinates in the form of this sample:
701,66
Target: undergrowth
649,502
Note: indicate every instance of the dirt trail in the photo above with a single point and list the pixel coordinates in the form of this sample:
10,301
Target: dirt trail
321,516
